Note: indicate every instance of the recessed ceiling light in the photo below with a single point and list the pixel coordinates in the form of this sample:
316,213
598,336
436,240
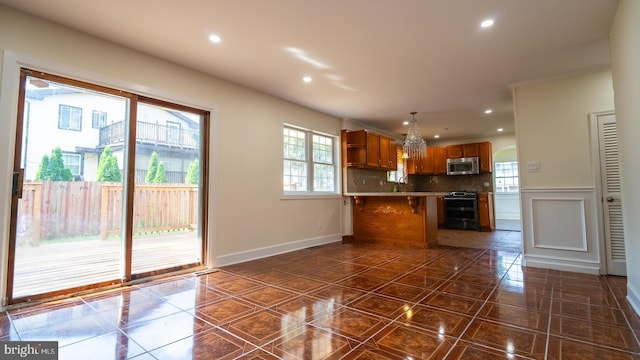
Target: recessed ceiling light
214,38
436,136
487,23
500,130
405,123
307,79
488,111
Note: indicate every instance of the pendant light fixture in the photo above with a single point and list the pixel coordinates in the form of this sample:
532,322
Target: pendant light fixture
414,146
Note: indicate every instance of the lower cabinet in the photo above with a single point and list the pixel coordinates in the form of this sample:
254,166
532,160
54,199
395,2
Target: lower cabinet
485,212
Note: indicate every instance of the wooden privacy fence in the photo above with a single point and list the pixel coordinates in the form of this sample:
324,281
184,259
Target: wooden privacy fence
63,209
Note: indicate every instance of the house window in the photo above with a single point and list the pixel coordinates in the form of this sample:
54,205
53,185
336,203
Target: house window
73,162
309,162
98,119
506,174
70,118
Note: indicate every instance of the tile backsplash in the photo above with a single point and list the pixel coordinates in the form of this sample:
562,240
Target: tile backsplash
364,180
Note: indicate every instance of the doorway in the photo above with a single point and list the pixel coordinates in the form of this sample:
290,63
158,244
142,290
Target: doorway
507,189
84,213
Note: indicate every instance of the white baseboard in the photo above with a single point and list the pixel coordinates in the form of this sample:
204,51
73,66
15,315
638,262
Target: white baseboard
561,264
259,253
633,296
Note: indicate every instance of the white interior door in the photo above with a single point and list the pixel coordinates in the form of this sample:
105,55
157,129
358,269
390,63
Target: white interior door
611,199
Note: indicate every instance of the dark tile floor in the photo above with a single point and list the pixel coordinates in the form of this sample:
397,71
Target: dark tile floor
352,302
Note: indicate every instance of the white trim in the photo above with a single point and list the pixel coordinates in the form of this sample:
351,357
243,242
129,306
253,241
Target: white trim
259,253
309,194
560,263
582,223
557,77
581,254
633,296
558,189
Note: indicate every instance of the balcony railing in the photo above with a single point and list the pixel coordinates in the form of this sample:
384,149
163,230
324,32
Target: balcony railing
149,133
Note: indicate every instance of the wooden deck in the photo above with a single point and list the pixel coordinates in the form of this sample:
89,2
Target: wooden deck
53,267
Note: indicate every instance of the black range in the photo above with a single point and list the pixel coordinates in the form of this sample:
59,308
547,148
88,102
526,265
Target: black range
461,210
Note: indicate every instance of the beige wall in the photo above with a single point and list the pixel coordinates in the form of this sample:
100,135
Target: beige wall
560,217
625,65
247,212
552,127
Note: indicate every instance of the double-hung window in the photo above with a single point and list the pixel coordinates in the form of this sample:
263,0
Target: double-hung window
309,165
73,162
98,119
506,173
70,118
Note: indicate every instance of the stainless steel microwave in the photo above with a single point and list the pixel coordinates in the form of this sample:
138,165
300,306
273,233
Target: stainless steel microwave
463,166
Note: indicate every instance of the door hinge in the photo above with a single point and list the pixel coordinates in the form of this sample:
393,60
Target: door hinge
16,189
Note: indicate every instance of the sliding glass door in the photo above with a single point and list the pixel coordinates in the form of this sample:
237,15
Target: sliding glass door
108,187
166,196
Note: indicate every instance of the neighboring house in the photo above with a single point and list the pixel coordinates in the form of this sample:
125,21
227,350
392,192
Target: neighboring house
82,124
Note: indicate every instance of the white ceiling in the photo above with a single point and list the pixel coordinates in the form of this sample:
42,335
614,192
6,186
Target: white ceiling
372,61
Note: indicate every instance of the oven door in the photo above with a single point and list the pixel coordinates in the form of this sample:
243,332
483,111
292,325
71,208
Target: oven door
461,213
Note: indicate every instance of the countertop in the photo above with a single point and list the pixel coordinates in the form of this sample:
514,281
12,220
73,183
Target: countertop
399,193
405,193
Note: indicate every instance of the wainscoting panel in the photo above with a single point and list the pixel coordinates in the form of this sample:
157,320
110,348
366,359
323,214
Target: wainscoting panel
569,213
560,229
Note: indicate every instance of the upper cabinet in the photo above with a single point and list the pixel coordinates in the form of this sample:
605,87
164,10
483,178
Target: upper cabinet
463,150
366,149
486,157
481,150
434,163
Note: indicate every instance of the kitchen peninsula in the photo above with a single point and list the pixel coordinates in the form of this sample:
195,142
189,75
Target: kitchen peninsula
395,218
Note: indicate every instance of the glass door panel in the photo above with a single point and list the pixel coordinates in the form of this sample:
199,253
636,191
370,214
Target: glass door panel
166,202
68,230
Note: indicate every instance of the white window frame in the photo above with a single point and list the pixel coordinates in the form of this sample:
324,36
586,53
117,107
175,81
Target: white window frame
310,192
498,171
98,119
80,160
70,110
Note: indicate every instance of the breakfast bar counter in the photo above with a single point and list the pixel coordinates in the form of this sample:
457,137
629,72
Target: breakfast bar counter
396,218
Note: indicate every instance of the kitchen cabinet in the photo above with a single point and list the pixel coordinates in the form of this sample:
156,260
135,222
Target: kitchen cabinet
486,215
366,149
434,163
470,150
463,150
481,150
440,160
354,148
486,157
373,150
454,151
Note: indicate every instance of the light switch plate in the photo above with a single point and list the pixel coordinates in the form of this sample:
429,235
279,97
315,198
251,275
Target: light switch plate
533,166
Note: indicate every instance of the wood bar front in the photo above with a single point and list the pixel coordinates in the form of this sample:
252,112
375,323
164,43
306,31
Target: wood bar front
396,220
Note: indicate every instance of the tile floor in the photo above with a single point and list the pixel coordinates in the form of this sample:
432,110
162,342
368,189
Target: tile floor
352,302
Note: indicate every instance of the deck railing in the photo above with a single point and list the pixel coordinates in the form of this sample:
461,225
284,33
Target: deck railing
150,133
66,209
